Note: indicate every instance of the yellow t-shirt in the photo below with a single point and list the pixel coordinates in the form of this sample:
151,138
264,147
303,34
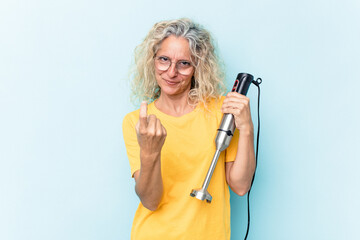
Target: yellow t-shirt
185,159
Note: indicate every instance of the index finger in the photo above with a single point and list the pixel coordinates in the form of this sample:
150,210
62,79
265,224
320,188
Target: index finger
232,94
235,95
143,114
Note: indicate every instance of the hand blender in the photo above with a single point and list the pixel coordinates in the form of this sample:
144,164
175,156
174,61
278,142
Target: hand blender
223,136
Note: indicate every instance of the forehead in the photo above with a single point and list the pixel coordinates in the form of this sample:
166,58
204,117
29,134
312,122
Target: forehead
175,48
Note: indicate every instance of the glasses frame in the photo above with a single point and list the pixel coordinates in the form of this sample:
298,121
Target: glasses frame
156,58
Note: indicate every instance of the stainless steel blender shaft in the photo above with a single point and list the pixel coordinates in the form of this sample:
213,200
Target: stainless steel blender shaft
202,193
222,141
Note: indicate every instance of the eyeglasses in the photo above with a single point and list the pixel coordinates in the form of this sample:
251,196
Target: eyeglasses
183,67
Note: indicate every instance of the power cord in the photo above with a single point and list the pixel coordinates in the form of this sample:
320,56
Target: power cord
257,84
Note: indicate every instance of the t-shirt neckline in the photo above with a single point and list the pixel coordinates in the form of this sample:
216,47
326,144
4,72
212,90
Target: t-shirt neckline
185,116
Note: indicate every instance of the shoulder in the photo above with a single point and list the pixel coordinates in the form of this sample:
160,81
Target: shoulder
131,118
212,107
214,104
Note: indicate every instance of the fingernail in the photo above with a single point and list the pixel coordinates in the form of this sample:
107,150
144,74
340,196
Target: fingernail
144,102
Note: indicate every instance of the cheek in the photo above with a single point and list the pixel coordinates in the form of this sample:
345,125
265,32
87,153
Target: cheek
187,81
157,78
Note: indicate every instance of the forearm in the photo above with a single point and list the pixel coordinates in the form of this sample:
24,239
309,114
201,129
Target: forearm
149,186
242,170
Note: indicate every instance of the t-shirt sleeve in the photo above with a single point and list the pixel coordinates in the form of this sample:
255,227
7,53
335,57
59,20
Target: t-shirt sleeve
131,143
230,152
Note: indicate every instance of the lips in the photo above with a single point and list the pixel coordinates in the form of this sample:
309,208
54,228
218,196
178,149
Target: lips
171,83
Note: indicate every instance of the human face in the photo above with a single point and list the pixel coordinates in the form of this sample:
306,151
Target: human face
171,82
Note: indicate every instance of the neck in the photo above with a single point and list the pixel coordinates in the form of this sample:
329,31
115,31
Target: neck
174,105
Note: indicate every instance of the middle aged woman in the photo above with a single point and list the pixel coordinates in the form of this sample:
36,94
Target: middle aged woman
170,142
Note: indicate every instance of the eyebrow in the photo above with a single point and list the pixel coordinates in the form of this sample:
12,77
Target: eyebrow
161,55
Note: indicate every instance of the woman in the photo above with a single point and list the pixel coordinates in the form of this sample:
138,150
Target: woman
170,142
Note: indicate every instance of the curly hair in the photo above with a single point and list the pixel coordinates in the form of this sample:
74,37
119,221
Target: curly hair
208,78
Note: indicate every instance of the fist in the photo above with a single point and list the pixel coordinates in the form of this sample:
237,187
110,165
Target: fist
239,106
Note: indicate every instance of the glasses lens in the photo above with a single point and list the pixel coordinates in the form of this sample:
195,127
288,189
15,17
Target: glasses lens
183,67
162,63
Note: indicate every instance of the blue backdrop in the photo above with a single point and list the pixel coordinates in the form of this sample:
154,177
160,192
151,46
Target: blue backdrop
64,91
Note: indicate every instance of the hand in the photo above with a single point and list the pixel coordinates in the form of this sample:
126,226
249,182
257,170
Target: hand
239,106
150,132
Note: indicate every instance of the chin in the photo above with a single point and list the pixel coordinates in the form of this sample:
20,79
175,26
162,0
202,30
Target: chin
170,92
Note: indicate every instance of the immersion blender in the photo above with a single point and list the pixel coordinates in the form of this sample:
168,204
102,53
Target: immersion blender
223,136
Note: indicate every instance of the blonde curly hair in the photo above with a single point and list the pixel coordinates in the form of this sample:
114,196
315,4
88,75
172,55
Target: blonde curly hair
208,78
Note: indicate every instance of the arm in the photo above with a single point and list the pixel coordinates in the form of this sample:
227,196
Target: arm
151,137
240,172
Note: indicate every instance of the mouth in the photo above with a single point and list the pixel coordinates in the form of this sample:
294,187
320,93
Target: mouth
171,83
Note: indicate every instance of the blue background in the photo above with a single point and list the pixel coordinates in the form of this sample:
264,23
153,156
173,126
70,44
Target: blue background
64,91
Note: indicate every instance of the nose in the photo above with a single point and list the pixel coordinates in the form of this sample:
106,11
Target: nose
172,71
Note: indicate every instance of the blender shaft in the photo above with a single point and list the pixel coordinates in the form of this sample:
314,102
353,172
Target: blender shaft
211,169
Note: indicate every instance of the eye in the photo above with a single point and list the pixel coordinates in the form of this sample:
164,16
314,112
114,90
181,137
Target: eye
163,59
184,64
